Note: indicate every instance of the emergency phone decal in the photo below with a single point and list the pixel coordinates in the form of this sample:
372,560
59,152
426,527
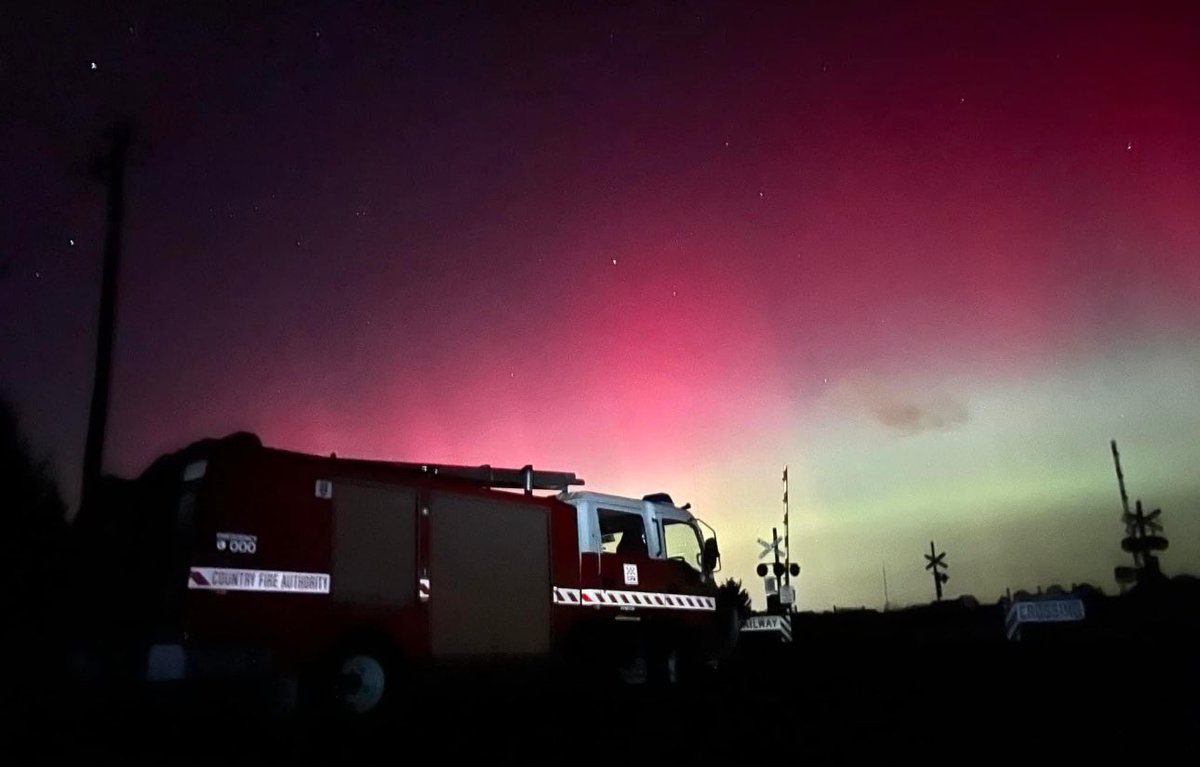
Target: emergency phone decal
631,575
324,489
237,543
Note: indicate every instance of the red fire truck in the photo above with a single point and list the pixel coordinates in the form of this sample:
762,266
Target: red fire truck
340,572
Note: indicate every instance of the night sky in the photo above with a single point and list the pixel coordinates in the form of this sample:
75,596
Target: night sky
932,256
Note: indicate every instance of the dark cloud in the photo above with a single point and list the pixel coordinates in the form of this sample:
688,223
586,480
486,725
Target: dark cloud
913,417
907,412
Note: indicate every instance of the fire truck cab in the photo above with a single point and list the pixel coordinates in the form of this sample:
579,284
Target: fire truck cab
352,574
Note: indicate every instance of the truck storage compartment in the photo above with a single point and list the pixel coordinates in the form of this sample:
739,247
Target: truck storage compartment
374,545
489,567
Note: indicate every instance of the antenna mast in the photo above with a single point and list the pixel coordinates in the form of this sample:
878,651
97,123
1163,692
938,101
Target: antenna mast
886,602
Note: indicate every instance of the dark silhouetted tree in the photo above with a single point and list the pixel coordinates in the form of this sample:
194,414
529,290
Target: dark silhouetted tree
733,594
33,546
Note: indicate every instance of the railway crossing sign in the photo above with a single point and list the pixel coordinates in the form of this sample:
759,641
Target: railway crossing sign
937,562
770,547
773,624
1024,612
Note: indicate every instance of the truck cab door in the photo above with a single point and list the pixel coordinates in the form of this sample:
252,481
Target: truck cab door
624,550
682,555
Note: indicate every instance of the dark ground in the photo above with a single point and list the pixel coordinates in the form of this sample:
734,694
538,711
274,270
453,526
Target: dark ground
1032,704
939,683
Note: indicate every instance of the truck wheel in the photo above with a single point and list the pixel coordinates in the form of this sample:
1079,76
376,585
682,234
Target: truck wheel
666,667
634,670
670,667
357,682
361,686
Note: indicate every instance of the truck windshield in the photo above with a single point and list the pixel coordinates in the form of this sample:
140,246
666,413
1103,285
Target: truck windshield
682,542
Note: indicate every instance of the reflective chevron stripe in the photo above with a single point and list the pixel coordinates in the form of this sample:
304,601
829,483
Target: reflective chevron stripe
610,598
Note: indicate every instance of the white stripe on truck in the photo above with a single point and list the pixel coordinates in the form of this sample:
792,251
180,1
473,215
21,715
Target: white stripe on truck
231,579
611,598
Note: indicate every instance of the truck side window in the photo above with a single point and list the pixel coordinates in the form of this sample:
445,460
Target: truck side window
682,542
622,533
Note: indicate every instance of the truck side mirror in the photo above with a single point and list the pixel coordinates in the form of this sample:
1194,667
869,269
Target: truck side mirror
711,556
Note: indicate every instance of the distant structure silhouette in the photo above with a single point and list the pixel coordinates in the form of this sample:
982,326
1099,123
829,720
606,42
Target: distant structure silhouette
1142,537
936,562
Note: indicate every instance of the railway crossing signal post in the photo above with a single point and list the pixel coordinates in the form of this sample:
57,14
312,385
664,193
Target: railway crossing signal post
776,578
936,563
1142,534
787,537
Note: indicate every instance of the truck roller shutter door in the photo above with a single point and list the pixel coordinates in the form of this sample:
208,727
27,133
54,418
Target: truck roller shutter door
490,573
374,558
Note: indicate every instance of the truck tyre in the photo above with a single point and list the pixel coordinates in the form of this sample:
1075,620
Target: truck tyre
362,684
666,668
657,662
634,670
359,681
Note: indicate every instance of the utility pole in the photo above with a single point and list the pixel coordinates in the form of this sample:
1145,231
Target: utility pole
111,169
